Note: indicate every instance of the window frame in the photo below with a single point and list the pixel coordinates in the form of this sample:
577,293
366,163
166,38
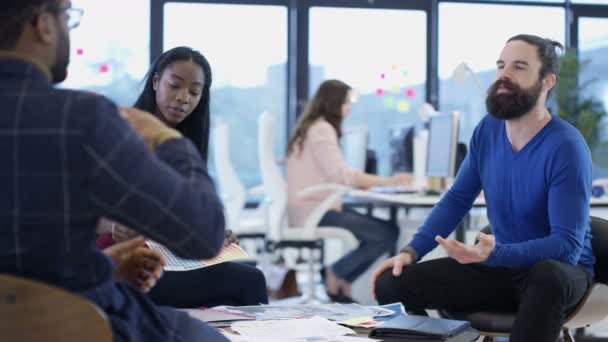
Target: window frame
584,11
429,7
298,28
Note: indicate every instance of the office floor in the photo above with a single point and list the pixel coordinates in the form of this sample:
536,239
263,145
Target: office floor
361,287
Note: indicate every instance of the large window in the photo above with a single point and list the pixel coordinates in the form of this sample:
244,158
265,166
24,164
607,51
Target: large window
593,49
246,46
110,49
545,1
382,55
591,2
468,51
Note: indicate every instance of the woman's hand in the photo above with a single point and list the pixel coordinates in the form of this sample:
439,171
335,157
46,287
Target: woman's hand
401,179
136,264
230,238
121,233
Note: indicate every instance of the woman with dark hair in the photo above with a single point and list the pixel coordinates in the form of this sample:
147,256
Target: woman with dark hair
177,92
314,157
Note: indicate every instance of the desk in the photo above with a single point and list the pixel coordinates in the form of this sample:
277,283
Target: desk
409,201
429,201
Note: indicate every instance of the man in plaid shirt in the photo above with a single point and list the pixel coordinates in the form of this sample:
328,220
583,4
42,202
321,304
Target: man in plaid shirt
69,158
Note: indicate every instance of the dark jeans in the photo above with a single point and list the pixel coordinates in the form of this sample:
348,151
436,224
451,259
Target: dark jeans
228,283
376,237
541,295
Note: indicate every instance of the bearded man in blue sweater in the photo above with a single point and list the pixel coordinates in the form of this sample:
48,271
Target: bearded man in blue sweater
535,171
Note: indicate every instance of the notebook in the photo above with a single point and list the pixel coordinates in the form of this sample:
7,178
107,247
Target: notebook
419,328
228,253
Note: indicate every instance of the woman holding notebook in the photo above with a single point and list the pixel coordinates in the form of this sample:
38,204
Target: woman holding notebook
177,92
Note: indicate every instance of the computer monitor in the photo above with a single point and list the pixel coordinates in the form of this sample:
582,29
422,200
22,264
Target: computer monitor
442,144
402,149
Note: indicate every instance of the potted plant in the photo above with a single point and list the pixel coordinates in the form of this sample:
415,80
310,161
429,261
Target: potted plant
581,110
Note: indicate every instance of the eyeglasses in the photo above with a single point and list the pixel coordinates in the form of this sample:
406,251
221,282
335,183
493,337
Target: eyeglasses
74,15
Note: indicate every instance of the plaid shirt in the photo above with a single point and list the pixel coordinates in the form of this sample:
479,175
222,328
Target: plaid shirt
68,159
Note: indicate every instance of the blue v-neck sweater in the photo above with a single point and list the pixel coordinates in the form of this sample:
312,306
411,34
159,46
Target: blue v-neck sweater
537,198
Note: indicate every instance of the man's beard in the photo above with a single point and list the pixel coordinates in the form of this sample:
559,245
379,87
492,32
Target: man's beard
59,71
513,105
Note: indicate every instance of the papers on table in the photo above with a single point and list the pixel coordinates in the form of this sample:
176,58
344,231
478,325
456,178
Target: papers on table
386,310
218,317
241,338
385,313
334,312
297,323
304,329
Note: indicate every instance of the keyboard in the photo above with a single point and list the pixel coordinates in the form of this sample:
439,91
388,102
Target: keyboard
394,190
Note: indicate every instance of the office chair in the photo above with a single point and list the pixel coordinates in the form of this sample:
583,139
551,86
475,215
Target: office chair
592,309
280,235
31,311
234,194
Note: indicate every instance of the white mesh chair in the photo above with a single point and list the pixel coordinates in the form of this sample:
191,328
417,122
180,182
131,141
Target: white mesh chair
280,235
233,192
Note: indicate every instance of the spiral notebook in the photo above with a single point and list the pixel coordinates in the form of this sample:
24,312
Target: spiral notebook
174,263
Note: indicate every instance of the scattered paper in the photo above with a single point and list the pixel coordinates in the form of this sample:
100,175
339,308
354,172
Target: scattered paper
304,328
334,312
351,339
217,315
382,311
240,338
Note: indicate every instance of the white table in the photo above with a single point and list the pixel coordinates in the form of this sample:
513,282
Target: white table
428,201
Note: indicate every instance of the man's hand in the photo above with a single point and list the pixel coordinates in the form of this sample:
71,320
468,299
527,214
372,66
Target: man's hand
135,263
149,127
230,238
396,263
468,254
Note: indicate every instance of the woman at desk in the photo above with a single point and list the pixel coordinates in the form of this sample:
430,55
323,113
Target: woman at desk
314,157
177,92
